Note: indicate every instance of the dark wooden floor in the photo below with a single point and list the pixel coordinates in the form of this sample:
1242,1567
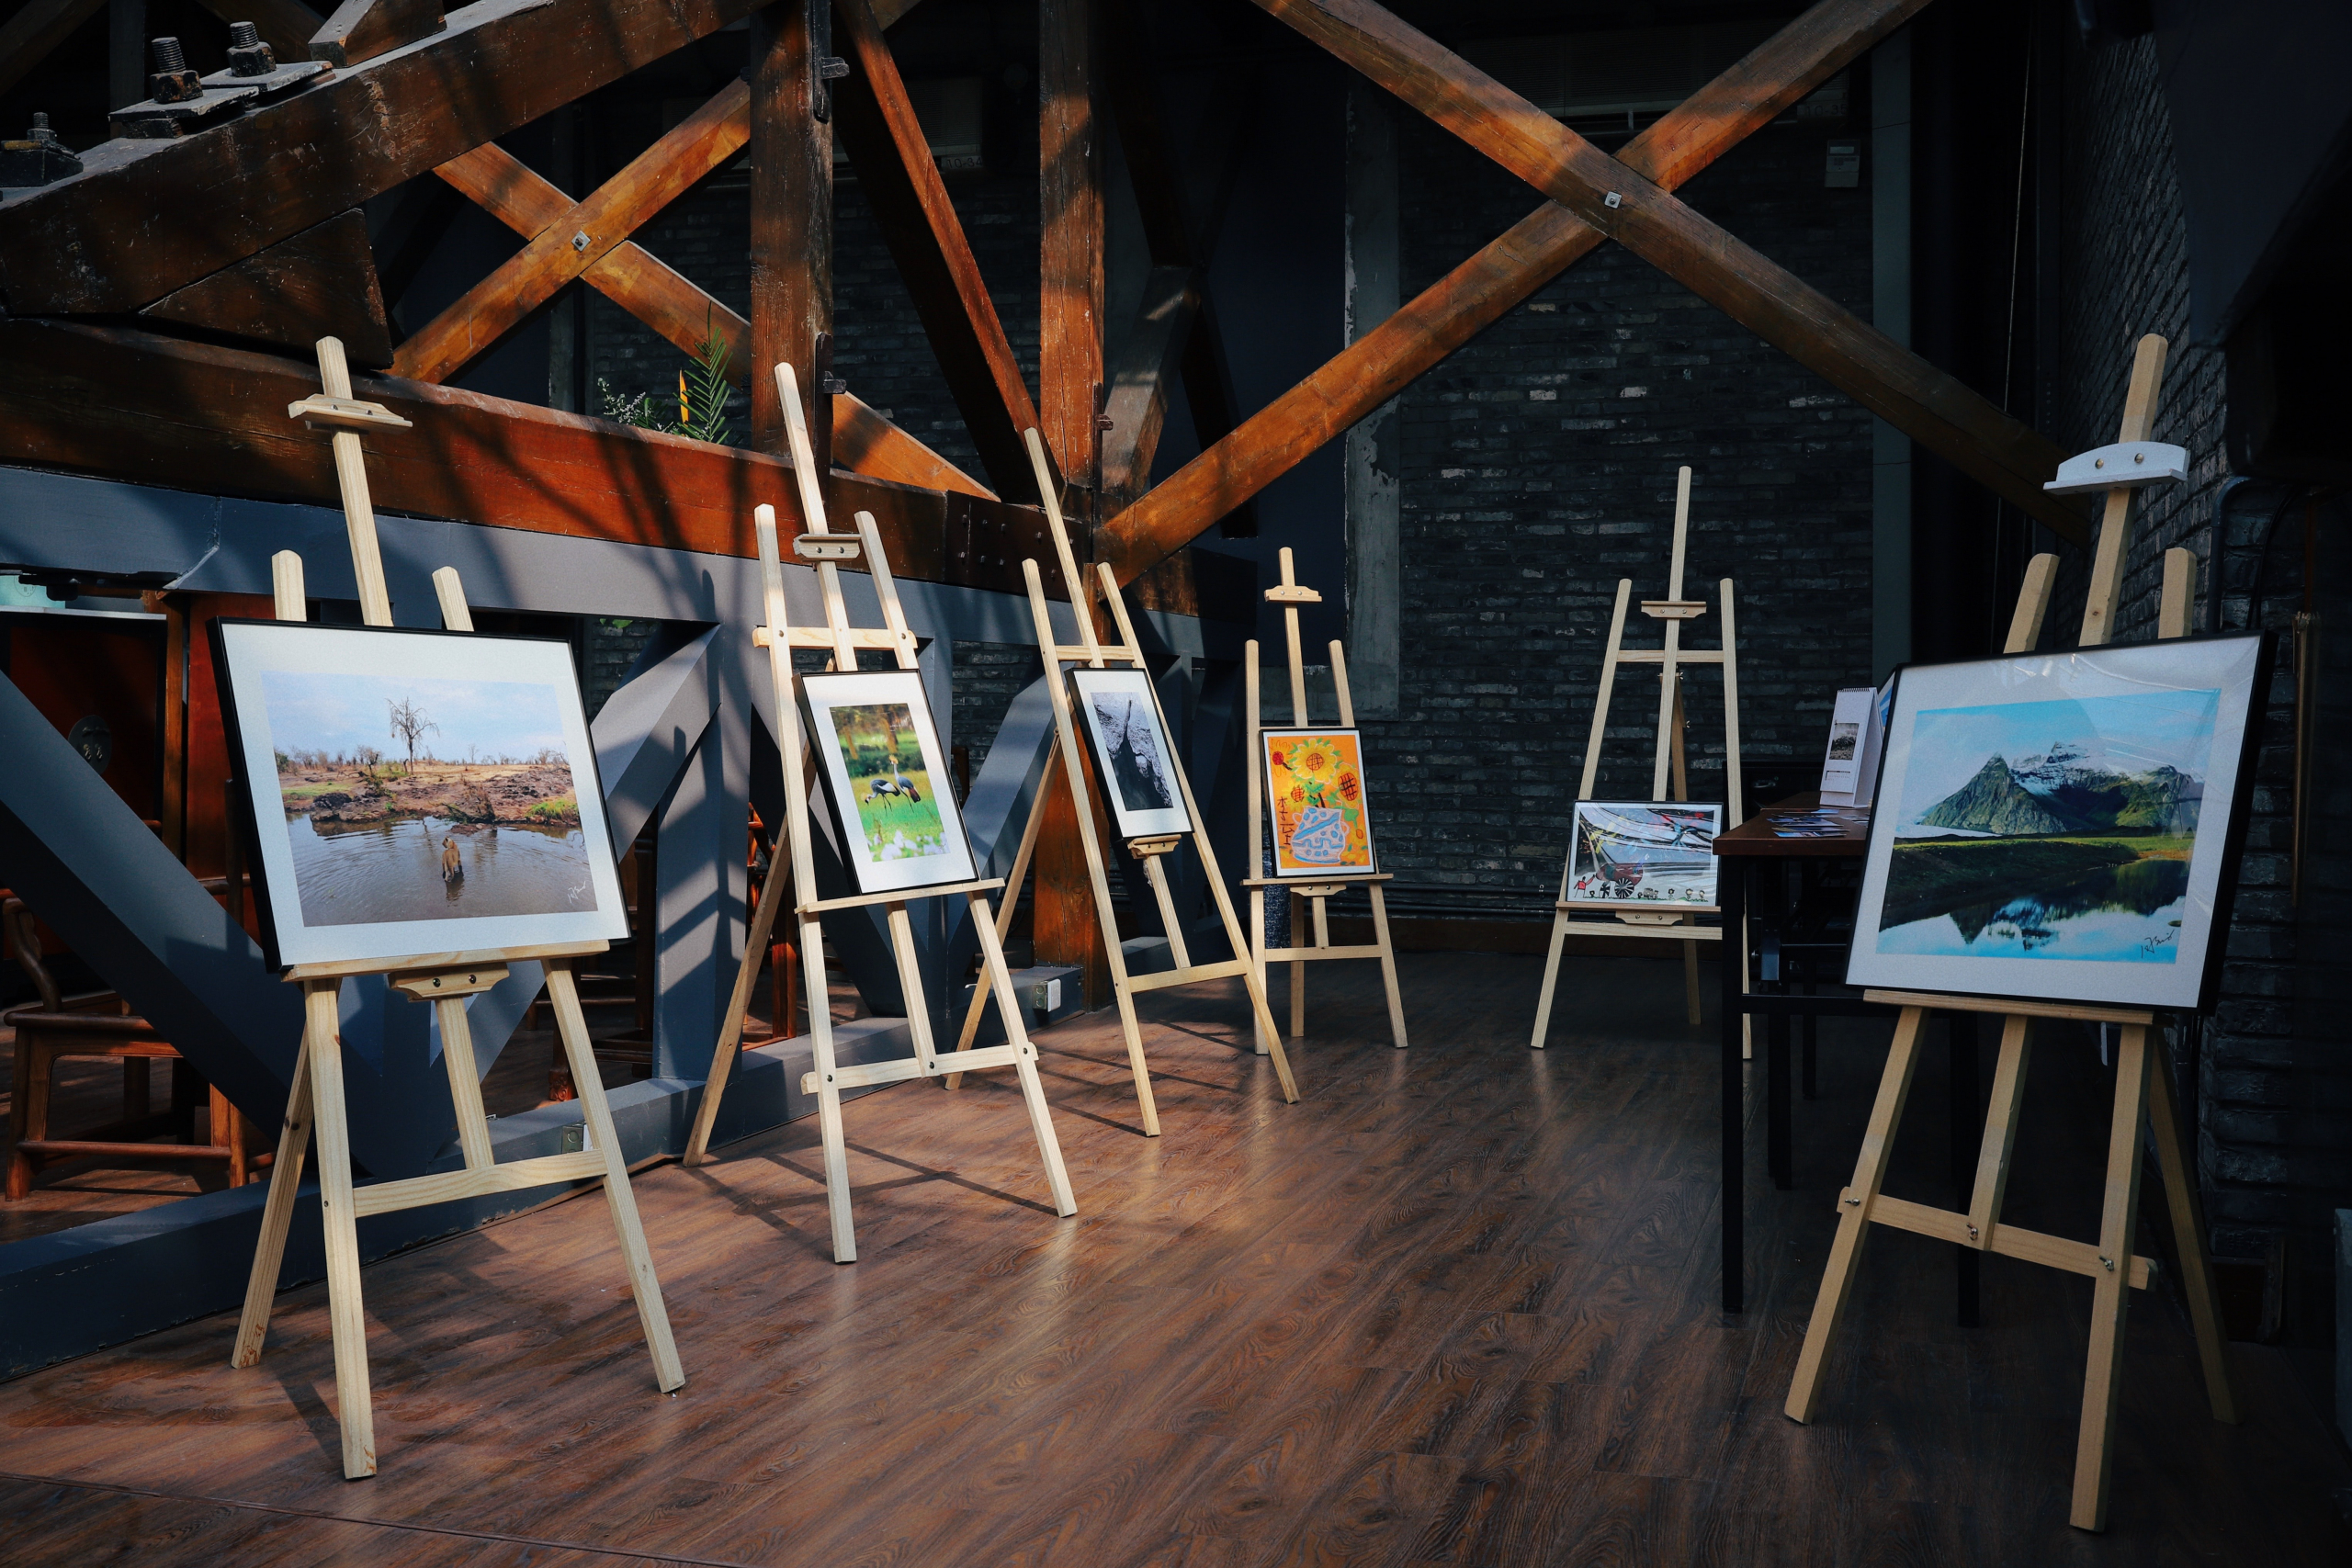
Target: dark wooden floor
1456,1306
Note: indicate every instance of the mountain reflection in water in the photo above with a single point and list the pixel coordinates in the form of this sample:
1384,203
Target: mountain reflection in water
374,871
2128,913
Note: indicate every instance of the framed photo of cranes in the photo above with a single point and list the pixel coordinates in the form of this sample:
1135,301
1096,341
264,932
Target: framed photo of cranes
886,779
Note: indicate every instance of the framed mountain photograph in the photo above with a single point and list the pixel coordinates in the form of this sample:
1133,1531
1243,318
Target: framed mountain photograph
1644,854
2061,827
888,781
401,803
1322,823
1131,752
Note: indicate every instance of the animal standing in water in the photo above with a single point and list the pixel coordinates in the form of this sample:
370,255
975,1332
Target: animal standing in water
896,786
452,868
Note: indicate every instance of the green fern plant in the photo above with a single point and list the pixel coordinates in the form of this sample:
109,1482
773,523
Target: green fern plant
703,396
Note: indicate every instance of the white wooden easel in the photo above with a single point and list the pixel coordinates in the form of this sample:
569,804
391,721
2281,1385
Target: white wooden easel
1321,889
1676,924
315,1102
827,1079
2144,1093
1096,654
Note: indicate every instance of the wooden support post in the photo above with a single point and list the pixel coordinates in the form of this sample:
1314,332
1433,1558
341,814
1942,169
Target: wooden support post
792,204
1069,330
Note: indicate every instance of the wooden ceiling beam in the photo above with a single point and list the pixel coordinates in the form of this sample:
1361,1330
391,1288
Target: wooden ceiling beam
147,217
892,156
584,235
647,288
1151,358
791,217
1937,410
1490,284
1175,334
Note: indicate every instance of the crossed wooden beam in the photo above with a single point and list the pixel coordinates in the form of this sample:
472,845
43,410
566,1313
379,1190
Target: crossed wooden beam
589,240
1595,196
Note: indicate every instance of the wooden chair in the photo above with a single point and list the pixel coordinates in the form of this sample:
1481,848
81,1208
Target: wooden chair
99,1025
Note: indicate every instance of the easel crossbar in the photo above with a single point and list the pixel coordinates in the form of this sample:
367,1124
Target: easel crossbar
448,1186
900,1069
904,896
1191,975
1672,934
1304,955
2010,1241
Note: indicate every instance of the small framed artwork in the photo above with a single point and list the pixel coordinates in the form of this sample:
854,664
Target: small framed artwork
1131,752
1322,823
401,804
1644,854
886,777
1841,763
2061,827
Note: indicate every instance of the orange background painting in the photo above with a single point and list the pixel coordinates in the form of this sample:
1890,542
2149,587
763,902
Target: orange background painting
1314,780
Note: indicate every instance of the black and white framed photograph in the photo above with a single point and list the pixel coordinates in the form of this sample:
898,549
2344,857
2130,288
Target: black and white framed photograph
891,790
1131,752
403,804
2061,827
1644,854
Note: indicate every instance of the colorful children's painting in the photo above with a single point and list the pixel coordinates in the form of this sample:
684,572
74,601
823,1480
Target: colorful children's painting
1315,782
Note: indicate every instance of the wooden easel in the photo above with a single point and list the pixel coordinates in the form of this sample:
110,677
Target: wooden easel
827,1079
1319,890
1674,924
315,1102
1096,654
2143,1093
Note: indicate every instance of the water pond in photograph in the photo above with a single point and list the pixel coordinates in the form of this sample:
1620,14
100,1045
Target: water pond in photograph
368,872
2109,900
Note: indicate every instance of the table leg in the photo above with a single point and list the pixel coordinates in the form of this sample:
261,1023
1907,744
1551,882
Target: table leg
1967,1114
1776,1075
1732,891
1812,1040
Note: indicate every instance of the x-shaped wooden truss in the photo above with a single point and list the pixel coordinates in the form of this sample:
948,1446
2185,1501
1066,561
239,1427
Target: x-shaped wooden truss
1595,196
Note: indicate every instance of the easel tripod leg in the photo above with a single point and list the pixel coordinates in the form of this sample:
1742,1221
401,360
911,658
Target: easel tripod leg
1136,1066
1551,979
997,976
828,1098
1853,1214
346,1313
571,1026
2111,1287
2188,1236
276,1215
1298,978
1388,967
1258,954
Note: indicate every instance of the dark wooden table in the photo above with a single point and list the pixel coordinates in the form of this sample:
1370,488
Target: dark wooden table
1766,839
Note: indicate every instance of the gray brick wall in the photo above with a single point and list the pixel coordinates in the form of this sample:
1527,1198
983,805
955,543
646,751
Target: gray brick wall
1539,468
2275,1141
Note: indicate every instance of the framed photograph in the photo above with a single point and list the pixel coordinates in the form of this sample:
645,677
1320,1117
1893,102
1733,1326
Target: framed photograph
1644,854
1322,823
1131,752
888,780
2062,826
403,804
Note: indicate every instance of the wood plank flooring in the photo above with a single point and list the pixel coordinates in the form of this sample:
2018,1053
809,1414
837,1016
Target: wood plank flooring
1456,1306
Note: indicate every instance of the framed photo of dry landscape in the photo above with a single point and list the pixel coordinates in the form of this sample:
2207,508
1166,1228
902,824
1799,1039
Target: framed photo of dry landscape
886,779
2062,827
402,802
1322,823
1131,752
1644,854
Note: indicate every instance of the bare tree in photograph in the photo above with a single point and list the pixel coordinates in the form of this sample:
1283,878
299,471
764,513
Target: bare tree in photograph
409,725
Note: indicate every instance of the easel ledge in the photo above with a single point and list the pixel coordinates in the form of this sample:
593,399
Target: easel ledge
474,958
